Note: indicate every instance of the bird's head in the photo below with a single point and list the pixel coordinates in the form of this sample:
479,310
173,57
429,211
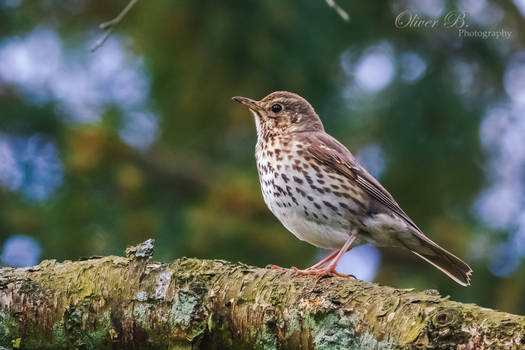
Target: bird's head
282,112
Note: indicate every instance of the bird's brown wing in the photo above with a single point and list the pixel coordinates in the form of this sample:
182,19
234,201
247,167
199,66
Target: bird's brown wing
333,154
337,157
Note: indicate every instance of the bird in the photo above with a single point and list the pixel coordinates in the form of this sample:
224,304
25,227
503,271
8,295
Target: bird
320,193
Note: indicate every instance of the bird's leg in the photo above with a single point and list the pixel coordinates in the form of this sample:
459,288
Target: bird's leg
313,267
330,269
324,261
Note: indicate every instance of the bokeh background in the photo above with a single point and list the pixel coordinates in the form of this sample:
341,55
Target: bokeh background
140,139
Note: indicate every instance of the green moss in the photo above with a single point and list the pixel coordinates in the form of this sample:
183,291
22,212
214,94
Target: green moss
9,329
73,335
36,337
141,314
59,335
338,333
368,341
70,334
223,335
182,310
99,338
332,332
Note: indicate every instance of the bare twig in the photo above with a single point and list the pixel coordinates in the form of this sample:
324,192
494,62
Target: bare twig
109,25
344,15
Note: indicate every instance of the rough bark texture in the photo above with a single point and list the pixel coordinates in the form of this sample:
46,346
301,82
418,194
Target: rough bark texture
134,303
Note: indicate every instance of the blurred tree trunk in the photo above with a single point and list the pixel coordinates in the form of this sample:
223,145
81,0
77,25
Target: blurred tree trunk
135,303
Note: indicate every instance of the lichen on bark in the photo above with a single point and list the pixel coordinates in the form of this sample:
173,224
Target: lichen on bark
134,303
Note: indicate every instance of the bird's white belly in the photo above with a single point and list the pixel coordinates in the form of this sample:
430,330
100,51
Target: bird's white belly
313,232
300,208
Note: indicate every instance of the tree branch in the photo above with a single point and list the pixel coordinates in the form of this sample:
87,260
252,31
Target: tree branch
111,24
342,13
134,303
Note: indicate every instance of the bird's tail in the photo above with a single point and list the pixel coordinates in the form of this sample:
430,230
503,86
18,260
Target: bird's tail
445,261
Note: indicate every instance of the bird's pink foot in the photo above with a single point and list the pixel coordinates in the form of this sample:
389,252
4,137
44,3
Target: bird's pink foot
321,272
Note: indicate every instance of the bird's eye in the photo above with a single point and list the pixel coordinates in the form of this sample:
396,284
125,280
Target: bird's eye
276,108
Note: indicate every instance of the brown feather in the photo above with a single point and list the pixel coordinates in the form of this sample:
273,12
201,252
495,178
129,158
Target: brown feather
333,154
373,206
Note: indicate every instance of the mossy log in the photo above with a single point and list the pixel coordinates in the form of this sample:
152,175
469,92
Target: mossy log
134,303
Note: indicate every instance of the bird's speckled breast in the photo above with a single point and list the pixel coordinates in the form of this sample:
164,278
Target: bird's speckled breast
310,201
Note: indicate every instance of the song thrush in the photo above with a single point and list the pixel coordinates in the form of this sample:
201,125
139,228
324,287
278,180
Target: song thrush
319,192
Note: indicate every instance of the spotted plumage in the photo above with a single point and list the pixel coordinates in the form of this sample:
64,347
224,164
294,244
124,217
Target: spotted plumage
320,193
293,195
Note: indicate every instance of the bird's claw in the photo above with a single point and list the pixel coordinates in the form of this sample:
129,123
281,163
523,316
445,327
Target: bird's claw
313,271
273,267
321,272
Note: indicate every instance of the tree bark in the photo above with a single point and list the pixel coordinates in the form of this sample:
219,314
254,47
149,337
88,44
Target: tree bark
134,303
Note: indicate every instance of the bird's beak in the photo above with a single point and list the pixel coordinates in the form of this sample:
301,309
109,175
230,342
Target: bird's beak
248,102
